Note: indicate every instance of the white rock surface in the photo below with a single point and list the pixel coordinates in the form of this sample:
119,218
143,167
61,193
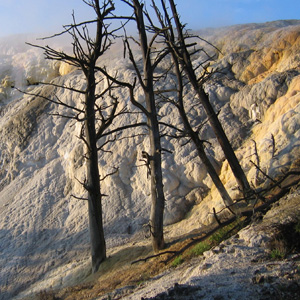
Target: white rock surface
239,268
44,230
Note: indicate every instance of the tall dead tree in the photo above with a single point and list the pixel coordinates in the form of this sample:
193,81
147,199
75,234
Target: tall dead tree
168,36
184,58
94,116
157,193
154,158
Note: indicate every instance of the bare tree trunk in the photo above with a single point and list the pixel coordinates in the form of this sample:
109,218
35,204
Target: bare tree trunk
86,52
205,160
98,248
169,37
224,142
157,194
212,116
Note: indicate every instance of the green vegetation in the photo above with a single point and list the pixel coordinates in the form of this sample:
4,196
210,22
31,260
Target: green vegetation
297,226
226,232
208,243
286,241
277,254
177,261
200,248
219,236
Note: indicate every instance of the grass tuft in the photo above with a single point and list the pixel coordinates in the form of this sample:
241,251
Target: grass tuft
177,261
200,248
297,227
219,236
277,254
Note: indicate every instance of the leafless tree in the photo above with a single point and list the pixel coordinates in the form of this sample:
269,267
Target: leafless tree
183,56
154,157
177,42
179,102
94,115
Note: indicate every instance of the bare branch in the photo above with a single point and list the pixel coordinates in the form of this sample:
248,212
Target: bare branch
79,198
57,101
67,29
116,130
172,127
131,58
106,143
273,146
110,174
260,170
63,87
129,86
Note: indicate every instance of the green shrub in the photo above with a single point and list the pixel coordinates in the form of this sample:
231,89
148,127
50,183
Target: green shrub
277,254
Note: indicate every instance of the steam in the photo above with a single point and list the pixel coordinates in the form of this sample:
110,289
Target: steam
22,65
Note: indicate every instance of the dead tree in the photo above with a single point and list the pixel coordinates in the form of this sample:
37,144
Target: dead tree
157,193
168,36
183,56
93,115
146,81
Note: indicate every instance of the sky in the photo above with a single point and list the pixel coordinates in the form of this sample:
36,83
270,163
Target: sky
48,16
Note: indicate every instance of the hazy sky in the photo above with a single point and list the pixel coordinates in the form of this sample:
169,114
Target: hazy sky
39,16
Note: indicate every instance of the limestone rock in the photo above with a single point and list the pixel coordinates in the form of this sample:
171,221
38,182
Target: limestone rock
43,228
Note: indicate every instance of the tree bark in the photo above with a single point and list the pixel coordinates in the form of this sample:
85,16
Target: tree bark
212,116
157,194
224,142
98,247
170,39
205,160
